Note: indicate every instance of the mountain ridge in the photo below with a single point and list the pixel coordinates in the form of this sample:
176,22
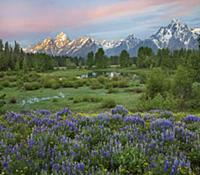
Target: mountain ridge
175,35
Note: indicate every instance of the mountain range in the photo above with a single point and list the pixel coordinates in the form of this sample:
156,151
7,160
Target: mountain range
174,36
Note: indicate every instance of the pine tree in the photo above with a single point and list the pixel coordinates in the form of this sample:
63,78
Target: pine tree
1,45
100,58
90,59
124,59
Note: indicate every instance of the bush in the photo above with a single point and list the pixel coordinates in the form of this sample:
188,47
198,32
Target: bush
32,76
85,99
102,79
10,78
95,84
67,84
54,100
111,91
194,102
55,85
182,83
51,83
5,83
13,84
31,86
108,103
2,74
73,83
13,100
117,84
156,83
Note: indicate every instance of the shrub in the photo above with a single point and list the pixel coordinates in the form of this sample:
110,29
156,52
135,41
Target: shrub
32,86
13,100
182,83
85,99
2,74
91,99
54,100
77,100
55,85
32,76
122,84
108,103
51,83
112,90
117,84
155,83
10,78
95,84
5,83
13,84
102,79
73,83
194,102
67,84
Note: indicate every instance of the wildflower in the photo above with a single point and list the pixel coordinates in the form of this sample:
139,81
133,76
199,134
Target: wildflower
44,112
191,118
80,167
64,112
161,123
136,119
119,109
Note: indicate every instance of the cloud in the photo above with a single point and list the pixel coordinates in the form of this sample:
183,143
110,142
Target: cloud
22,19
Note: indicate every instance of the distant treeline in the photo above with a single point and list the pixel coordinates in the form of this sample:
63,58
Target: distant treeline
14,58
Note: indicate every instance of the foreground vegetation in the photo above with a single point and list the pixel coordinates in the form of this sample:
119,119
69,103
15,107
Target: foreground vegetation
117,142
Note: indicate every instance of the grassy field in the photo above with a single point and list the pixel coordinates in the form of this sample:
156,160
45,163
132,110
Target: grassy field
80,99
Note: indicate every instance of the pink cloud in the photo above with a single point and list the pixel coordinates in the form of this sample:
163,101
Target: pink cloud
24,18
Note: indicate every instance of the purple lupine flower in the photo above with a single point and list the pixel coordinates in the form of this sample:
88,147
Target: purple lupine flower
105,154
167,165
119,109
103,117
31,142
117,117
14,117
64,112
44,112
161,124
191,118
5,164
71,125
56,167
80,166
174,167
166,114
136,119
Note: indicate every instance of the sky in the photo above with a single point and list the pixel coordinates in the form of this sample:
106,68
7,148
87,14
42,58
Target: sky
30,21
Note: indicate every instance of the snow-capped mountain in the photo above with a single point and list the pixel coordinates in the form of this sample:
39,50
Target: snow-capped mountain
174,36
80,47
